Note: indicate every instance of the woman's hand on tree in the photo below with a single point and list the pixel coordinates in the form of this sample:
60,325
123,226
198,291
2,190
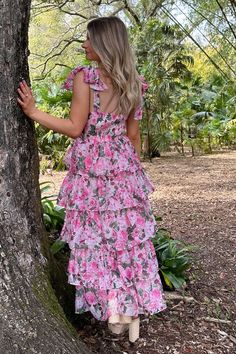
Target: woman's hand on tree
26,99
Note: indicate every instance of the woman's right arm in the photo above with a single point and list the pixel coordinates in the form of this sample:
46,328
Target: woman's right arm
133,132
72,127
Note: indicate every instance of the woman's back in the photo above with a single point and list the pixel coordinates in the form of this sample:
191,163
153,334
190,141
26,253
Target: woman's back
104,147
103,117
108,97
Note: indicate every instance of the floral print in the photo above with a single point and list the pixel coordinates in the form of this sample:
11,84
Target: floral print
109,221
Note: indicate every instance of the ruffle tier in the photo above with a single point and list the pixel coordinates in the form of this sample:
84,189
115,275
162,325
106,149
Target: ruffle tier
120,229
104,177
105,192
106,268
144,298
102,156
109,281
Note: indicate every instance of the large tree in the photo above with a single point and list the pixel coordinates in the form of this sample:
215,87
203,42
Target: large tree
32,321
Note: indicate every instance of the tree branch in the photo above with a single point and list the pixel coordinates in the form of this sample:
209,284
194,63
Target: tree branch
220,55
115,12
51,7
48,72
233,5
53,48
157,6
226,19
132,13
55,55
167,13
211,23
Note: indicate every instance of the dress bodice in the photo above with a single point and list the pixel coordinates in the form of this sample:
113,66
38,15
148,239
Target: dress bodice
103,147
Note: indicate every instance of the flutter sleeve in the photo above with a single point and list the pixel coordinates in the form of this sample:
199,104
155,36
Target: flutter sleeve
138,114
68,84
91,77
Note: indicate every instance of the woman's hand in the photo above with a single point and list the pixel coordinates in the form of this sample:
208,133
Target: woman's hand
26,99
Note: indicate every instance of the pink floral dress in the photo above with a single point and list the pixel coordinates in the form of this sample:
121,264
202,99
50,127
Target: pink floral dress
109,221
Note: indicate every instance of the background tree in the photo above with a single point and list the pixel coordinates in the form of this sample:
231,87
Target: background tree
32,320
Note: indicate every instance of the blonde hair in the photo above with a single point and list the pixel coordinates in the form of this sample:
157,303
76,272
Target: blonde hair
109,39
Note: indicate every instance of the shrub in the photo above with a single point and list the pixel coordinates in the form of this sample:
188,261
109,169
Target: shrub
174,258
53,214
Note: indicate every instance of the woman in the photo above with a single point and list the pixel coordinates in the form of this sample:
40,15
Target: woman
109,222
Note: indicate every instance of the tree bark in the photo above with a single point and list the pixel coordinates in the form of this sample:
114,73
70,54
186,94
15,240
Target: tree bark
32,321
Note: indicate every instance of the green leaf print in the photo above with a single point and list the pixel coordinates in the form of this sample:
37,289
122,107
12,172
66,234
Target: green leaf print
137,197
92,130
102,201
79,292
115,272
125,265
81,162
140,291
115,225
101,152
130,230
129,297
95,192
91,174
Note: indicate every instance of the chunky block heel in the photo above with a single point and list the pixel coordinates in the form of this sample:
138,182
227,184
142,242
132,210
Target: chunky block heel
118,328
134,330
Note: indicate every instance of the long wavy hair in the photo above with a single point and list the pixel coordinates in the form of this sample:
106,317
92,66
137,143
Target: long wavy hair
109,39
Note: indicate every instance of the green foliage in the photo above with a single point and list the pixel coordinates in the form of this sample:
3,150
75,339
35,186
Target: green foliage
174,259
53,215
57,246
165,64
52,99
208,108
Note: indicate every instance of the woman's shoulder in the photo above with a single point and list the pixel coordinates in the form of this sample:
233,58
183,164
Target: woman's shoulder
91,77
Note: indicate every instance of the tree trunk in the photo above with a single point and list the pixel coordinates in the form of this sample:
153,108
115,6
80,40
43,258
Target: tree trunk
32,321
147,142
192,148
209,142
182,139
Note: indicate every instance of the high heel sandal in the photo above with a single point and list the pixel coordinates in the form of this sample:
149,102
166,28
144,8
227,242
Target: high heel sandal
119,324
118,328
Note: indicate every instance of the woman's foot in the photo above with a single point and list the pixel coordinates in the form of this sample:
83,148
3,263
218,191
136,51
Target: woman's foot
118,324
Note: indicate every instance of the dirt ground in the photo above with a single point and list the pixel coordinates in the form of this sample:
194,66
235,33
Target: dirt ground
196,198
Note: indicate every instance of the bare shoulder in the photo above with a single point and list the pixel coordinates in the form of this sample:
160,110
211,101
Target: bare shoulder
79,78
79,85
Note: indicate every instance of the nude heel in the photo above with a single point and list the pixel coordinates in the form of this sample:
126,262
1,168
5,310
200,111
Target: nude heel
134,329
118,324
118,328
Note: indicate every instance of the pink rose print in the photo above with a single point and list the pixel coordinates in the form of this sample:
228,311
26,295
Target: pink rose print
90,297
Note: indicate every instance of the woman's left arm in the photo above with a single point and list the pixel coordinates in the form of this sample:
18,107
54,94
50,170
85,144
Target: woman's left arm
79,111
